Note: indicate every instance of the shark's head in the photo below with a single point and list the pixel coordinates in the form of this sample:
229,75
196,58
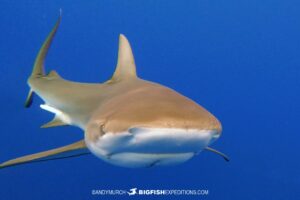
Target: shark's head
149,127
146,124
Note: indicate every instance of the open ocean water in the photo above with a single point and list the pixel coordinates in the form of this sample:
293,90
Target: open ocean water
239,59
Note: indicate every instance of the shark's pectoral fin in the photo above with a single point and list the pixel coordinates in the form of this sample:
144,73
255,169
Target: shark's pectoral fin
55,122
218,152
72,150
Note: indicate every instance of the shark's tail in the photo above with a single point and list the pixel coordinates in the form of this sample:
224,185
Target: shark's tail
38,68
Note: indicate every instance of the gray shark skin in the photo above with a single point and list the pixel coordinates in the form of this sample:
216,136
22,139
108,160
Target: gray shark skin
127,121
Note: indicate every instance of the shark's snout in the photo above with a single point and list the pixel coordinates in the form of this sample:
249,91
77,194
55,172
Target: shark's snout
147,147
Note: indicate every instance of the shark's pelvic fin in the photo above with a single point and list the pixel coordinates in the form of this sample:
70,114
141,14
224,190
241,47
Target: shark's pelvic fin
72,150
126,66
218,152
38,68
59,119
55,122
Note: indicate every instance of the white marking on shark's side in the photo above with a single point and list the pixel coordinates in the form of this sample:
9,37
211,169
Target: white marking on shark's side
126,120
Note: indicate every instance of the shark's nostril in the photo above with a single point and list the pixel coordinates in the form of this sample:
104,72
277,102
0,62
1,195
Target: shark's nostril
216,134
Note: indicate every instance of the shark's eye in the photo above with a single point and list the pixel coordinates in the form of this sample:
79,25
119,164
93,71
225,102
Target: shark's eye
101,129
94,131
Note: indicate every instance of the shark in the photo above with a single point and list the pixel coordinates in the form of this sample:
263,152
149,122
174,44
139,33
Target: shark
127,121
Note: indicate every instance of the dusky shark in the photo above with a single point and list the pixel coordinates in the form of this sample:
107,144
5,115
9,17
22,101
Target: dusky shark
127,121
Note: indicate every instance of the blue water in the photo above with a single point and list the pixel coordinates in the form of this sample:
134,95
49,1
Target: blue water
238,59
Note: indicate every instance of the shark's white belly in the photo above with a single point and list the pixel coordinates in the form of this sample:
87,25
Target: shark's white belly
146,147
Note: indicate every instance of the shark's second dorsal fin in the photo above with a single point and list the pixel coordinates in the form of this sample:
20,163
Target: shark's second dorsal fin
126,66
53,74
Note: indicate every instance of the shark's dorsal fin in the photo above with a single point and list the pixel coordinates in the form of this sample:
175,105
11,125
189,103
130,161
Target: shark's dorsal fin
126,66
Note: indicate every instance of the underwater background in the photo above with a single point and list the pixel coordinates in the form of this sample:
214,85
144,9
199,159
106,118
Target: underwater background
238,59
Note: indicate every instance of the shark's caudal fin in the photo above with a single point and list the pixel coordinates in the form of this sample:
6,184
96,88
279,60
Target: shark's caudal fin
125,66
218,152
72,150
38,67
29,99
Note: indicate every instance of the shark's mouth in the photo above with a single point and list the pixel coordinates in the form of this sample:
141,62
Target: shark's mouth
146,147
